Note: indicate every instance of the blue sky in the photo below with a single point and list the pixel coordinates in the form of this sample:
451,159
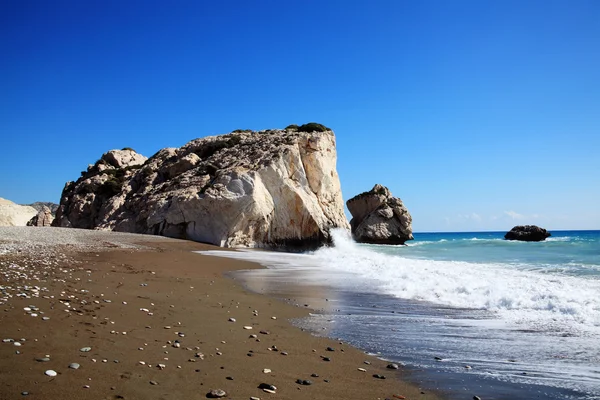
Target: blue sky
479,114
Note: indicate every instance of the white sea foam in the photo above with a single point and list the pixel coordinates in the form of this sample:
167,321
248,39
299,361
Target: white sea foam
561,239
530,299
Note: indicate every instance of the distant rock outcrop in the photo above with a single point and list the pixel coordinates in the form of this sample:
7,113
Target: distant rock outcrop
527,233
39,205
379,218
43,218
274,188
12,214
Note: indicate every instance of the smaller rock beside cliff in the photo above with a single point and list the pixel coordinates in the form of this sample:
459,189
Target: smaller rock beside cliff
379,218
527,233
43,218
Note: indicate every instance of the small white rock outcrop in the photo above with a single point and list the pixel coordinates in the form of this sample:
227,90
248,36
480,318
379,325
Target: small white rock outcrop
273,188
379,218
12,214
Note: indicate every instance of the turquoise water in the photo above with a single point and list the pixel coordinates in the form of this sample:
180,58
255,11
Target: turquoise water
571,252
524,316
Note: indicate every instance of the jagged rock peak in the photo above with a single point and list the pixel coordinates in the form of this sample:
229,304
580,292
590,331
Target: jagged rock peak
527,233
123,158
379,218
272,188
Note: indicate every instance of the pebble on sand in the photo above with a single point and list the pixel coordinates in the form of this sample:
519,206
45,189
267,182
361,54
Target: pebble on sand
85,349
216,394
74,366
50,372
267,387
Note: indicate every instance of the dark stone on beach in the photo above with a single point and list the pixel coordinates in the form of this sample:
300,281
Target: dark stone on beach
216,394
153,383
305,382
330,349
392,366
326,358
267,386
314,375
527,233
229,378
378,376
476,398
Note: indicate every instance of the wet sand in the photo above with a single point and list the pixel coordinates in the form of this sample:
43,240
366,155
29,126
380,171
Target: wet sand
173,311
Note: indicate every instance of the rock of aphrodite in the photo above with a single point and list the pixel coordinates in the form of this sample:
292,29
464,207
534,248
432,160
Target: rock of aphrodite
12,214
527,233
274,188
379,218
43,218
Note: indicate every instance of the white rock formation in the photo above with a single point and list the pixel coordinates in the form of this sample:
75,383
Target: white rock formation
246,189
12,214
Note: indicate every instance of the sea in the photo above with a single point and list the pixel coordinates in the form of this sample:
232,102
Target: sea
468,313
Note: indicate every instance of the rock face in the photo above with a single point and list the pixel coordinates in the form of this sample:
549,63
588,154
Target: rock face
379,218
527,233
274,188
12,214
43,218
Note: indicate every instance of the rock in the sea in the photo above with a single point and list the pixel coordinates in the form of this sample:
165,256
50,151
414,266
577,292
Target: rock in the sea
273,188
527,233
43,218
379,218
12,214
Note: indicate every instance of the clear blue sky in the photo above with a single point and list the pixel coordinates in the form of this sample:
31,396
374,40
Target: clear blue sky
479,114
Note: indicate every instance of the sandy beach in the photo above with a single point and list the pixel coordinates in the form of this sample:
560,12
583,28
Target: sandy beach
142,317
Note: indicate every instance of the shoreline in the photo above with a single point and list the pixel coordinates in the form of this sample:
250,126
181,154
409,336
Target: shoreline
169,308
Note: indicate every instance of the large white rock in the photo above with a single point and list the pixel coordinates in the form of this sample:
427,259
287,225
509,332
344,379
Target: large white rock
247,189
12,214
379,218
